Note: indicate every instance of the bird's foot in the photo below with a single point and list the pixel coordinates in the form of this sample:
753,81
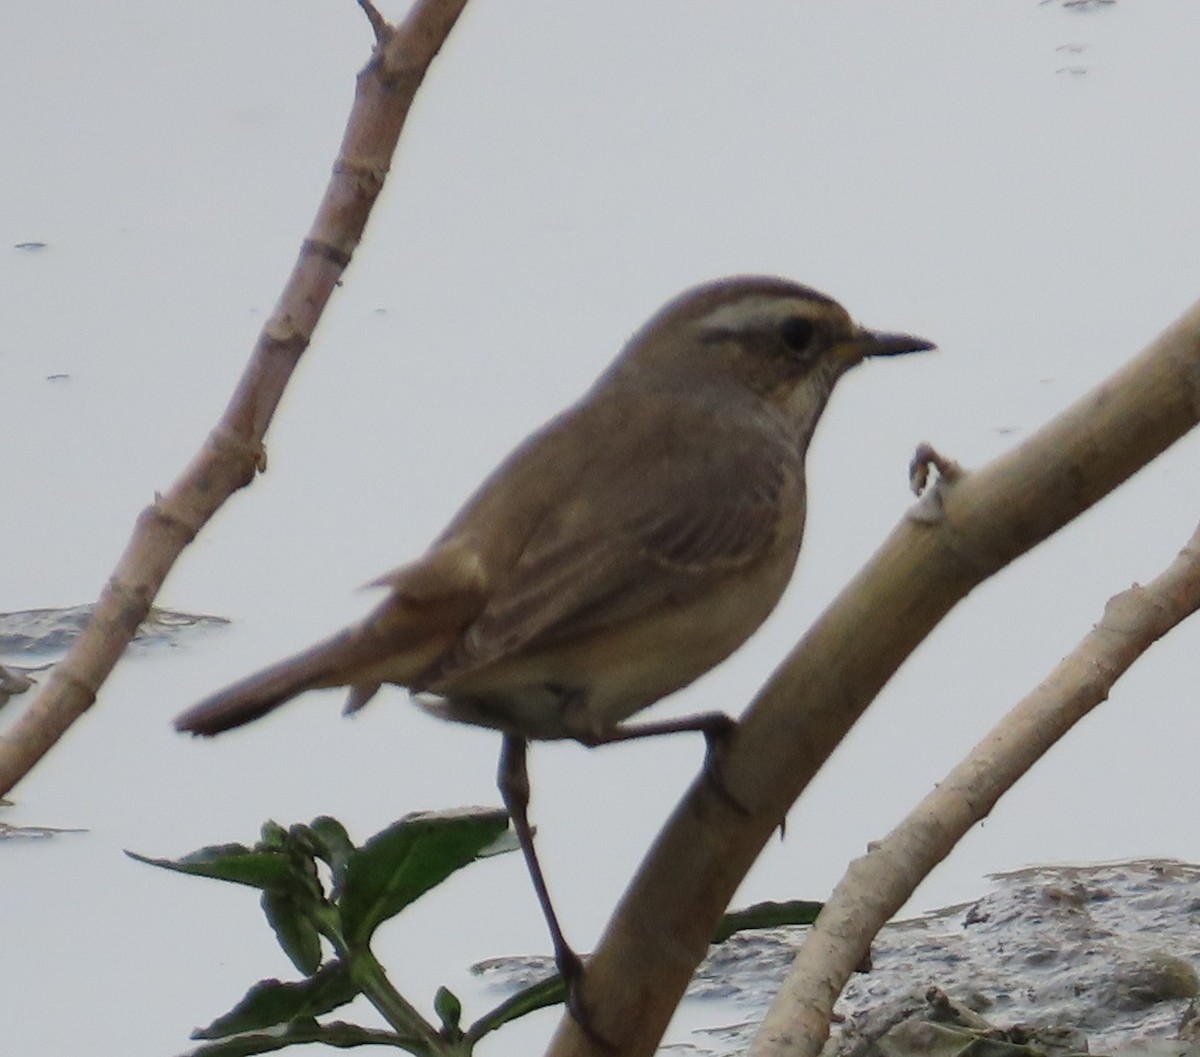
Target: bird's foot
570,968
719,731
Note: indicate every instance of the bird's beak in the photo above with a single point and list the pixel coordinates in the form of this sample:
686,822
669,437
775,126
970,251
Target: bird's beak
877,343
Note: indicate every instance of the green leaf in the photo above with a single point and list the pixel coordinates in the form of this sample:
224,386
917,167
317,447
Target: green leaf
447,1006
502,845
301,852
404,861
550,992
333,846
271,836
268,870
270,1003
294,929
337,1034
767,916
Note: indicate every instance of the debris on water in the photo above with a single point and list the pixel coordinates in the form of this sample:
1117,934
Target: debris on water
30,636
12,682
8,832
1058,960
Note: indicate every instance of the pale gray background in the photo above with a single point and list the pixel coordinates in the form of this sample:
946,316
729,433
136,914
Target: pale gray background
958,170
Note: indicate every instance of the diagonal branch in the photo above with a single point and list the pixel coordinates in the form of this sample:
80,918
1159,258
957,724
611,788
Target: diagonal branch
878,884
234,452
958,536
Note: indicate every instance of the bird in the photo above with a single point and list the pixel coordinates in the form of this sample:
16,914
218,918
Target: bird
620,552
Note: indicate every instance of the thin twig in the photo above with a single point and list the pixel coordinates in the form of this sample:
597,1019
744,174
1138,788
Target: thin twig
379,24
233,453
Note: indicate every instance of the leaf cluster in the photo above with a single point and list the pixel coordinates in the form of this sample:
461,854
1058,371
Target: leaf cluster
324,898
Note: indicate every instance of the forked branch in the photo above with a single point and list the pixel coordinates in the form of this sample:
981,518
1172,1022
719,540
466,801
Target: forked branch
877,885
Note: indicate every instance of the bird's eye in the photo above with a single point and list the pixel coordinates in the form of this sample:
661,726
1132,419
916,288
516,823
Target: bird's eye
797,333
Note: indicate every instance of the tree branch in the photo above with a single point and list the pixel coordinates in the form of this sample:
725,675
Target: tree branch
878,884
960,534
234,452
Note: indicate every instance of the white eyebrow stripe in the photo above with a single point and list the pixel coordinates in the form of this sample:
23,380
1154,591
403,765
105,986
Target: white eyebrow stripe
743,315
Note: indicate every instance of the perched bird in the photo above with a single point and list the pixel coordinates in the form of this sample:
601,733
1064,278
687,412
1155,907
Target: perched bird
623,550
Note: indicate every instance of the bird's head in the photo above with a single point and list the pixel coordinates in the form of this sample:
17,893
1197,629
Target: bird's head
784,343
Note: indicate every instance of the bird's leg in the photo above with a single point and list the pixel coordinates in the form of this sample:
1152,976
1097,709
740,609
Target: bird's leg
718,730
716,727
513,780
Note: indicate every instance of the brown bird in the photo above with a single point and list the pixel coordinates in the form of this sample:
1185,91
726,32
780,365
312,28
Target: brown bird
623,550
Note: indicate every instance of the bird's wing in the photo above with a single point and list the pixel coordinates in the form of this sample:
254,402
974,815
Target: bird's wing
628,538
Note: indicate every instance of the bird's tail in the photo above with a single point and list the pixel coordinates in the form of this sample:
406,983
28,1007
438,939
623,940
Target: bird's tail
345,659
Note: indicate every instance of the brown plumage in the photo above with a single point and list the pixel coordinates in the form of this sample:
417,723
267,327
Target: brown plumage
623,550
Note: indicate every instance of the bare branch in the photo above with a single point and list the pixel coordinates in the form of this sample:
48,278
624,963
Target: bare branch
878,884
956,537
233,452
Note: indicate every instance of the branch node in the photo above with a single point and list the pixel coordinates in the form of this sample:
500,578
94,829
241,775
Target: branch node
327,251
135,598
930,510
926,457
169,513
368,173
225,441
66,676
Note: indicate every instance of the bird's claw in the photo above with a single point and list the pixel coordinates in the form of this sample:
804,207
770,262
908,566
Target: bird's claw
570,968
718,734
